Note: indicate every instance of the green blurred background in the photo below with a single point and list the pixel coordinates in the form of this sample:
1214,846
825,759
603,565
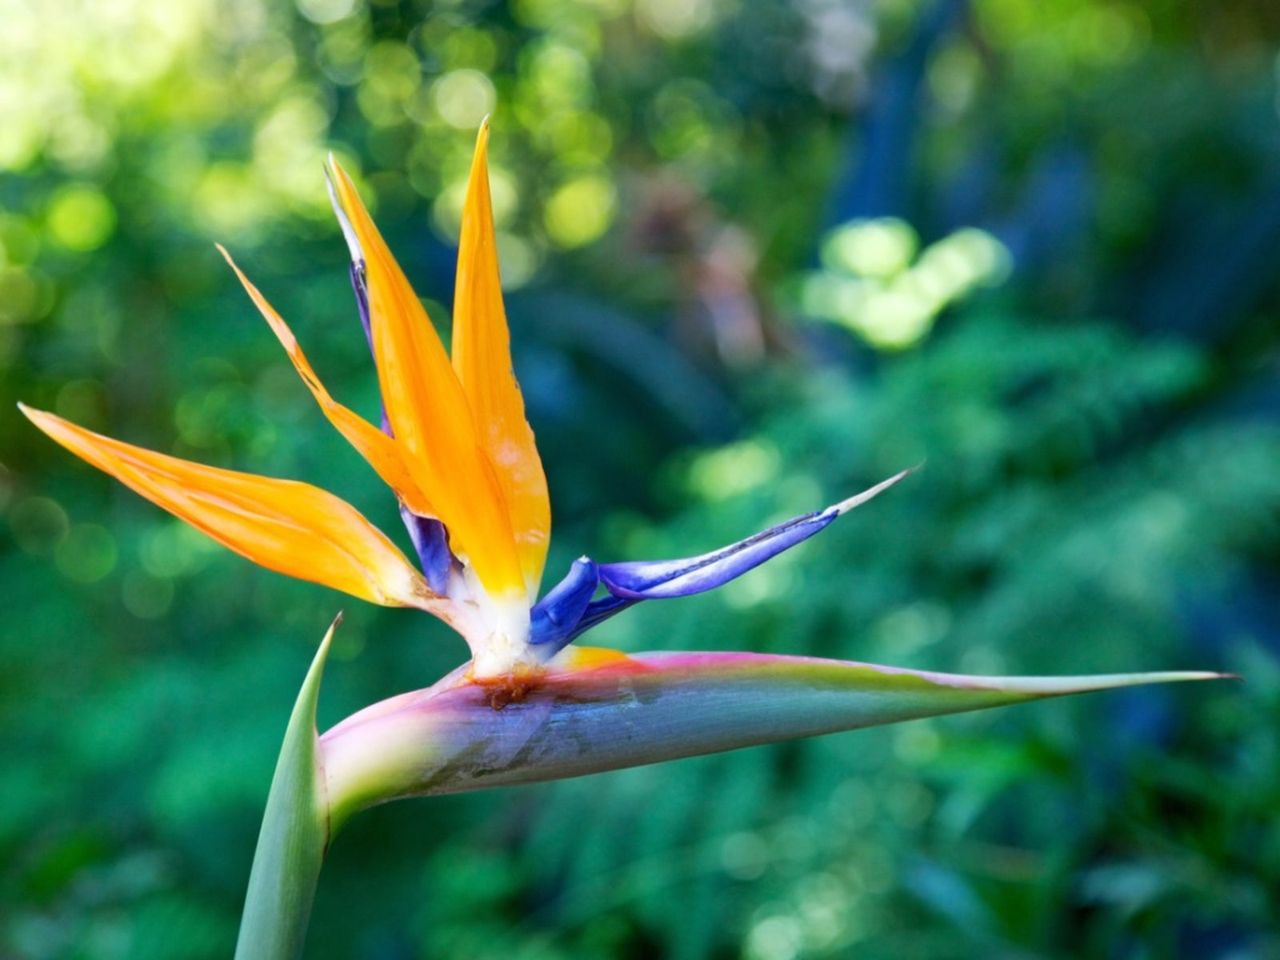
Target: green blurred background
759,254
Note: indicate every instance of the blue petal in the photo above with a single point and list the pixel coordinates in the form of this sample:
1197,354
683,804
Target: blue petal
651,580
658,579
568,610
431,541
554,617
361,287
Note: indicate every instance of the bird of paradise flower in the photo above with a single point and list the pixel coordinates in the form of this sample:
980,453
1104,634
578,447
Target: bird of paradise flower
455,447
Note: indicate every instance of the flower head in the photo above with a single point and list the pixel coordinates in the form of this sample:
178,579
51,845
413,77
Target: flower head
456,449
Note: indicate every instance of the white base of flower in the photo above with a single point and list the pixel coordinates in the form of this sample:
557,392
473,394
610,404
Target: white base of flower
501,656
498,633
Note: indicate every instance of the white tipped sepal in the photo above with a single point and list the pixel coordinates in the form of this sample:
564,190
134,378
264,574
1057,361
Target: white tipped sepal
844,506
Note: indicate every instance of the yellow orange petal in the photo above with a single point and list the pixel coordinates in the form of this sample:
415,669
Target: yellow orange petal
375,446
482,361
429,413
577,658
286,526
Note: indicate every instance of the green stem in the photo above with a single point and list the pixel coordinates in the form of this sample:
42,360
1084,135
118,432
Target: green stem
293,838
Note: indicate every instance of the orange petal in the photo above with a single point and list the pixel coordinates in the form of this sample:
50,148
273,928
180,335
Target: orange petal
375,446
429,413
286,526
482,360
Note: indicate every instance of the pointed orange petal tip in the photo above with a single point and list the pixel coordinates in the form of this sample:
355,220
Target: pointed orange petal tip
380,450
37,417
352,216
339,211
482,360
332,168
348,197
290,527
274,320
48,422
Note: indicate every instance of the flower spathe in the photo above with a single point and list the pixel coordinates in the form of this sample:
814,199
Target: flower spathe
456,449
595,710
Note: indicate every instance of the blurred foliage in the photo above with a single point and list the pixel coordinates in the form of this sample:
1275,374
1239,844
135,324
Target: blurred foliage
1101,435
876,280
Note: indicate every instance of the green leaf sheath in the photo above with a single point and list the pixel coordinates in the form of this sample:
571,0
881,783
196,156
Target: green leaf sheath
294,834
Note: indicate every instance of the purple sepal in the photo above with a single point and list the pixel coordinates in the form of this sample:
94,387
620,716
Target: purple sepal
629,583
555,617
360,284
651,580
568,610
658,579
431,541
